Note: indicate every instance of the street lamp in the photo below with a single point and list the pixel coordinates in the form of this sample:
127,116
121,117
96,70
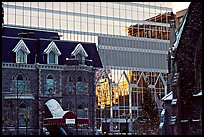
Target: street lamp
26,118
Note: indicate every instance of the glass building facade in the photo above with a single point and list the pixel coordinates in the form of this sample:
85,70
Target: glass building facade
128,59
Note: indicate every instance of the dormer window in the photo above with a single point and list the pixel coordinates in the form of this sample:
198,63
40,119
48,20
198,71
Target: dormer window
20,56
52,58
52,53
79,57
80,54
21,51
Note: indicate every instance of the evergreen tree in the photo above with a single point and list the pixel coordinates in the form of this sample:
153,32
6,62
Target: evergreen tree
149,110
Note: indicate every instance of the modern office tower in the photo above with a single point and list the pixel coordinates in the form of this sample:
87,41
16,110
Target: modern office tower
152,31
128,61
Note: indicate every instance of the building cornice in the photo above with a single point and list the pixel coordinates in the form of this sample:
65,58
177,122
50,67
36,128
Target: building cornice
48,67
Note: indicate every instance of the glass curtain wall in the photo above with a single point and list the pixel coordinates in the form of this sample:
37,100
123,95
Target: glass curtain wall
120,83
85,21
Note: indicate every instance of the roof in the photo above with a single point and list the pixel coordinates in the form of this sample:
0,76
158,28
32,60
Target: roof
199,94
180,30
168,96
34,33
163,112
39,42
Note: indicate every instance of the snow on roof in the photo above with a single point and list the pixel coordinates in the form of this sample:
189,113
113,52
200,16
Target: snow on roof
161,125
168,96
163,112
55,108
174,101
199,94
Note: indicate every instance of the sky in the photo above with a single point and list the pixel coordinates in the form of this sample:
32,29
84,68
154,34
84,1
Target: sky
177,6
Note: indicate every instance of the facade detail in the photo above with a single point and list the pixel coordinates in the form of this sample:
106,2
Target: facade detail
21,51
27,88
52,53
79,53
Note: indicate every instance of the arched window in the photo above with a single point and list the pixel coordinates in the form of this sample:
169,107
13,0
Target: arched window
86,85
52,58
8,113
13,85
23,114
50,85
27,85
20,84
79,57
20,56
70,106
82,111
79,85
69,84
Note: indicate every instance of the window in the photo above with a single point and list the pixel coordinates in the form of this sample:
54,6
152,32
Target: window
20,84
50,85
79,57
85,85
82,111
79,85
52,53
23,114
69,85
9,114
20,56
21,51
70,106
51,58
80,53
13,85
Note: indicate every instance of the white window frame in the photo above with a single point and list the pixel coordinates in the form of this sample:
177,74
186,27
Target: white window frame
52,47
80,50
21,46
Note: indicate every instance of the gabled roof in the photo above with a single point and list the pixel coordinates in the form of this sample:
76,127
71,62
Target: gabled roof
39,45
24,32
199,94
21,45
52,46
179,31
79,49
168,96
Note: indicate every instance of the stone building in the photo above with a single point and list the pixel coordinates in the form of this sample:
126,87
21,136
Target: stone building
183,104
37,66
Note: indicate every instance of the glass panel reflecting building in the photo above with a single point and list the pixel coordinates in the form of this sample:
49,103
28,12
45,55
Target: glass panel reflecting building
132,39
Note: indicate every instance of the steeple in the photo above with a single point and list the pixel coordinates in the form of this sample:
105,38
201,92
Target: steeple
172,29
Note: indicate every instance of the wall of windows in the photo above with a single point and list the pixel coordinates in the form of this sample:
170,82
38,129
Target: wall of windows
110,18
